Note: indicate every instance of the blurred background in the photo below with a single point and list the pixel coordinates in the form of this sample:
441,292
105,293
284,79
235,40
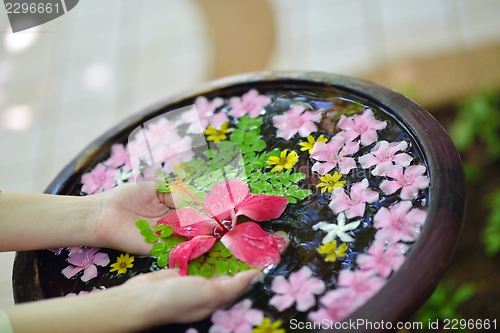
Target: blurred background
65,82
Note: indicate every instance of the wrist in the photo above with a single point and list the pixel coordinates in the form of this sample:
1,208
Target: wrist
93,205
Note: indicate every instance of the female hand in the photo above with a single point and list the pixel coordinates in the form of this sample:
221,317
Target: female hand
142,302
171,298
118,210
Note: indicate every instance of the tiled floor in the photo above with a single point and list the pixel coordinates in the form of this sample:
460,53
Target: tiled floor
104,60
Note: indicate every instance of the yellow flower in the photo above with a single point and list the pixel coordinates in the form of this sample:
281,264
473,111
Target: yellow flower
310,143
330,182
333,251
284,161
122,263
216,135
269,327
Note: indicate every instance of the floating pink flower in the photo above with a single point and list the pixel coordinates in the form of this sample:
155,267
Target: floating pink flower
250,103
362,284
86,261
296,120
380,260
226,201
337,305
99,179
384,157
411,181
202,114
399,222
240,318
119,157
363,125
300,289
334,153
353,204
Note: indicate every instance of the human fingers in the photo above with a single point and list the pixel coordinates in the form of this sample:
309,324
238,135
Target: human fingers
201,297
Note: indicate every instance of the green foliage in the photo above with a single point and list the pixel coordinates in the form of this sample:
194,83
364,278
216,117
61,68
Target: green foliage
162,238
217,261
478,120
444,302
163,182
149,235
239,158
478,123
247,135
278,183
491,233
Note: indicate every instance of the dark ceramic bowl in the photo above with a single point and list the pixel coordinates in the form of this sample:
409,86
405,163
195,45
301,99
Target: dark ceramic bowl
406,290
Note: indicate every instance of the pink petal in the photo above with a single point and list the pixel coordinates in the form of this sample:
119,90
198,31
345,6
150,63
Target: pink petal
346,164
367,161
345,123
220,317
384,270
189,250
421,182
249,243
400,209
250,95
204,227
76,258
383,168
357,189
71,271
298,278
100,259
346,278
89,273
414,171
356,210
311,116
224,196
254,317
313,286
396,172
261,207
402,159
389,187
307,128
366,261
382,218
368,137
305,302
282,302
218,119
280,285
409,192
340,202
89,186
323,168
349,135
416,216
350,148
369,196
286,133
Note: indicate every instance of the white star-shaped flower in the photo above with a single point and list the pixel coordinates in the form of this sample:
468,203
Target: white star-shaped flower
122,177
337,230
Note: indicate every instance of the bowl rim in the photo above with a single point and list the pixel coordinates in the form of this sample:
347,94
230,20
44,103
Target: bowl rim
414,282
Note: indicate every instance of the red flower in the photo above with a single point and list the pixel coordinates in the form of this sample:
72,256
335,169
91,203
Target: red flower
226,201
